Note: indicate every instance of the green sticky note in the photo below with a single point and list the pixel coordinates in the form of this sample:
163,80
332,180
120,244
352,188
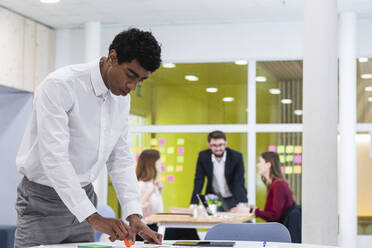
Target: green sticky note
180,141
95,246
289,149
282,159
289,158
280,149
154,142
170,150
180,159
161,149
288,170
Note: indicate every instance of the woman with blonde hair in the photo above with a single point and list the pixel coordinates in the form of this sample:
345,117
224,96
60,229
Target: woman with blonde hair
279,197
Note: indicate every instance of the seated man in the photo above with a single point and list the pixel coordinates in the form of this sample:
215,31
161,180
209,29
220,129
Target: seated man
224,169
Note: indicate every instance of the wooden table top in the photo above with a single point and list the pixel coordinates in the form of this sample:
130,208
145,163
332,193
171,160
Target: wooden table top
185,218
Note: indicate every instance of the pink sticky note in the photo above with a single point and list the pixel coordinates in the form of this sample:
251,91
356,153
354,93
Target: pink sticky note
272,149
297,159
282,167
161,142
170,179
180,150
163,168
137,157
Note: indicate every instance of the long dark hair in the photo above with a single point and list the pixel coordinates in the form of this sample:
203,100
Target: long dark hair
146,170
275,170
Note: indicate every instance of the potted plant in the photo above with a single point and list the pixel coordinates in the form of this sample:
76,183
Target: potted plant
213,203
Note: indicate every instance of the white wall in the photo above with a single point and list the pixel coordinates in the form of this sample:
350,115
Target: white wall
15,109
220,42
364,36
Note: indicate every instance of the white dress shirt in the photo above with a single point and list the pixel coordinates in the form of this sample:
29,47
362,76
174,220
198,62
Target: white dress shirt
76,127
219,181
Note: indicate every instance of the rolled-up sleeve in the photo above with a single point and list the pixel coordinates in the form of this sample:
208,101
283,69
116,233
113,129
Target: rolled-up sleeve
121,168
52,102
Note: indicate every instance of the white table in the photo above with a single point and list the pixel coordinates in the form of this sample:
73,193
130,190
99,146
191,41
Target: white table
186,221
167,244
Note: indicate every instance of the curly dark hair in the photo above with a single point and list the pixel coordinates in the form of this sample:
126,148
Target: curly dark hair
140,45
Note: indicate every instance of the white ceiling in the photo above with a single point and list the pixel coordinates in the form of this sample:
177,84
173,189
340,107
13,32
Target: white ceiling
73,13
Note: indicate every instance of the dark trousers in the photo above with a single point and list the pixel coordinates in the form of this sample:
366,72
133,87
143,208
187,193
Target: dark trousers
42,217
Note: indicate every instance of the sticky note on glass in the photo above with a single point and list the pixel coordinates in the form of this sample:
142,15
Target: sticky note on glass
180,141
282,159
163,168
170,150
180,150
161,142
298,159
282,167
170,168
271,149
137,157
180,159
170,179
288,170
179,168
289,149
138,149
280,149
161,149
289,158
297,169
298,149
163,158
162,178
154,142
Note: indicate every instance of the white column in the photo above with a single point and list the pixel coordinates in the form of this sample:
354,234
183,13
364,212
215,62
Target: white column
92,34
63,48
251,168
347,182
319,177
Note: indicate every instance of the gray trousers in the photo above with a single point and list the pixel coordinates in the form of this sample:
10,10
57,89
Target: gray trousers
42,217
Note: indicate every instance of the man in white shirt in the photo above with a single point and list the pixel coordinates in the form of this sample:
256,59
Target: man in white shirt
79,123
224,169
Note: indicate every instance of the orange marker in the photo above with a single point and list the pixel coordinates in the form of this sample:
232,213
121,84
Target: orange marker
128,243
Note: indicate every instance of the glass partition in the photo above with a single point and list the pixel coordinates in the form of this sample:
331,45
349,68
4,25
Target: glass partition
364,183
364,90
195,93
279,91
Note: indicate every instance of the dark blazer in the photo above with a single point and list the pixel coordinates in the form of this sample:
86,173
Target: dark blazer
234,175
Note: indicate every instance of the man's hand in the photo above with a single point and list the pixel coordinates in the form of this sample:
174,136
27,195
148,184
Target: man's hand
115,228
143,230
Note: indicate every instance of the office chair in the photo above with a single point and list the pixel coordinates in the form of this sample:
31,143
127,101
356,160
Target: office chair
271,231
105,211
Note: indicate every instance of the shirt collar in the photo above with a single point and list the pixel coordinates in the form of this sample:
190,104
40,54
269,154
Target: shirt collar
99,86
223,158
